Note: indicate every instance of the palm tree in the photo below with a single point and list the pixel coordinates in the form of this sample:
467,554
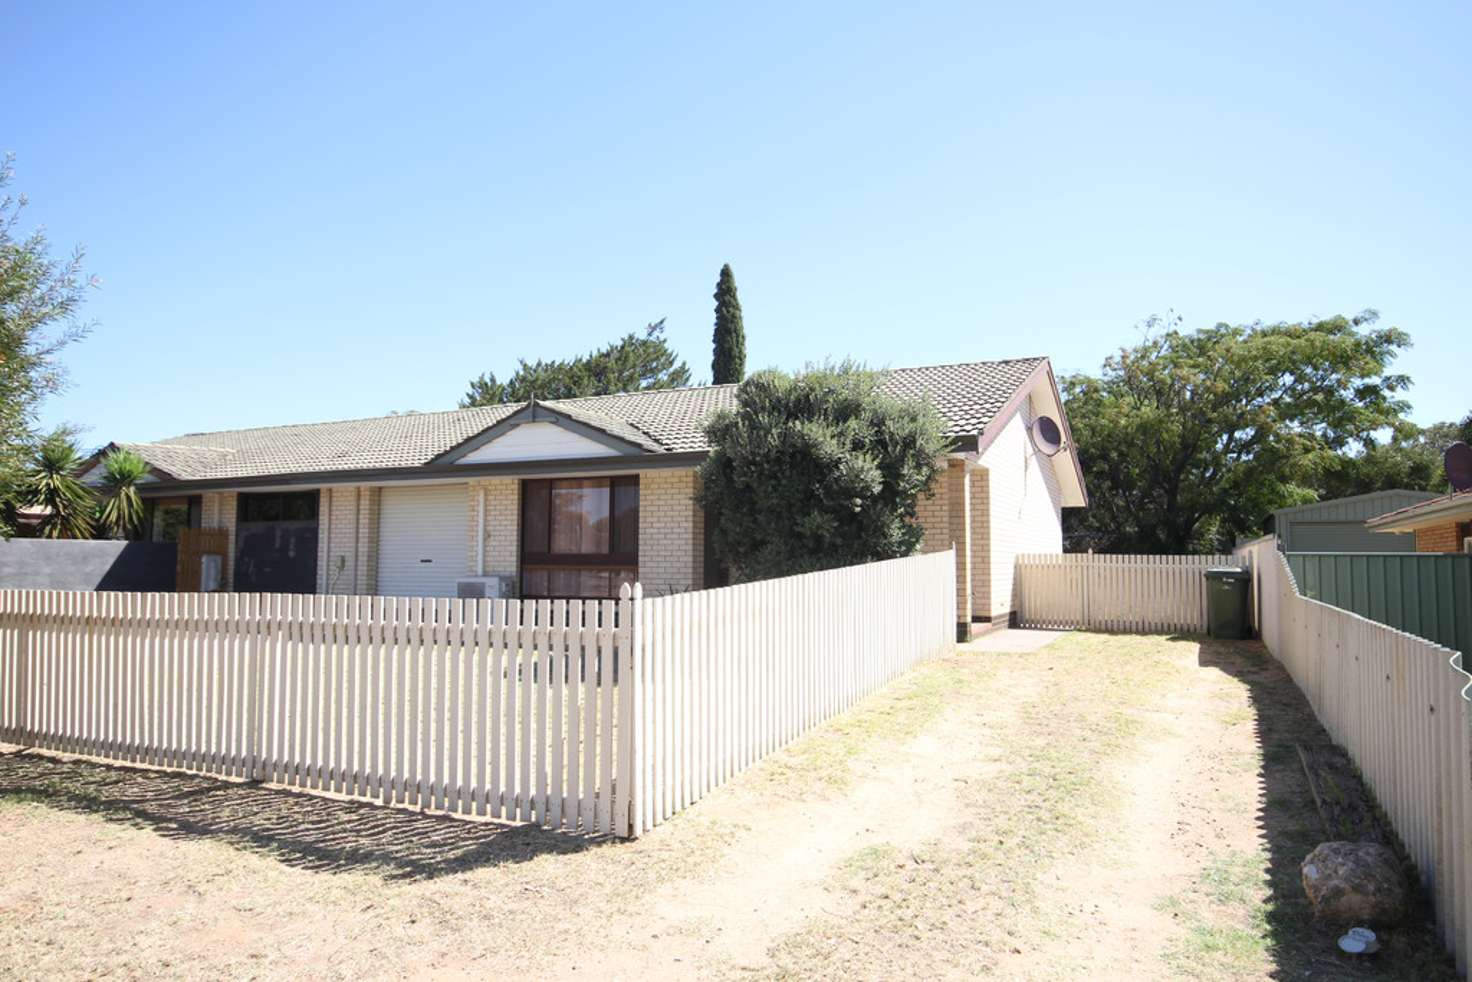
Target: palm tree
121,514
52,486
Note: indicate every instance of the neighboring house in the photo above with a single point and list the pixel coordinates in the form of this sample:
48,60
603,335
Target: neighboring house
1338,525
1442,524
572,498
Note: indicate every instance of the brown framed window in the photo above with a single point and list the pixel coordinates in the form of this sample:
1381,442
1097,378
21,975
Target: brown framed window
579,536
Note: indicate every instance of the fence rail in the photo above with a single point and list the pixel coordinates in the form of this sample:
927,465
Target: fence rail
1398,704
597,716
1114,593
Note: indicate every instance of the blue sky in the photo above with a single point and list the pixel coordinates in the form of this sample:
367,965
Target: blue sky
328,213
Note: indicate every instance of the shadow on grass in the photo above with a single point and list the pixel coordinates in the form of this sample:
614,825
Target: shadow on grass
1290,827
301,830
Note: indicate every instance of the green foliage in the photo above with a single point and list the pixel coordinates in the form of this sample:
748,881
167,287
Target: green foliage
631,364
1411,458
120,515
51,484
39,299
817,470
1189,439
728,360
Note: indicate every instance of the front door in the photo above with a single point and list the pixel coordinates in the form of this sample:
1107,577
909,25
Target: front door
276,543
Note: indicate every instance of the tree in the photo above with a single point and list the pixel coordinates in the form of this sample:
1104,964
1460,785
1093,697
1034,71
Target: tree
120,515
817,470
631,364
728,360
39,300
1411,458
1189,439
51,486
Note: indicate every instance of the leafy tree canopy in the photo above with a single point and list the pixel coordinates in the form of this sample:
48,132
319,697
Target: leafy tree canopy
39,300
633,363
1410,458
817,470
1189,439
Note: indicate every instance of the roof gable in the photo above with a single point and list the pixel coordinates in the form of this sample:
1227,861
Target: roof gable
549,431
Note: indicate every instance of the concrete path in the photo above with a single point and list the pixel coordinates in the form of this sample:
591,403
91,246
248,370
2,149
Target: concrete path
1015,639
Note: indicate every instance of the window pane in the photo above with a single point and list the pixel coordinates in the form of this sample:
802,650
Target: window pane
595,583
534,505
580,521
620,577
626,516
534,583
564,582
168,520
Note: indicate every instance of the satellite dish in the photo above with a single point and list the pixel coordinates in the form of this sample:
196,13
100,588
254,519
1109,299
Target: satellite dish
1049,439
1458,463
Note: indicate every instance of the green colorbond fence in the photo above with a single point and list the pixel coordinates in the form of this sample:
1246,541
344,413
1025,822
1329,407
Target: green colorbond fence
1425,594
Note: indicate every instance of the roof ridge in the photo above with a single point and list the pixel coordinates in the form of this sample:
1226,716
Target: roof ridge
329,422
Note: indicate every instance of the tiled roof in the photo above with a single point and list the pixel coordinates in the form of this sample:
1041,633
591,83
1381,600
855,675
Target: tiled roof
967,395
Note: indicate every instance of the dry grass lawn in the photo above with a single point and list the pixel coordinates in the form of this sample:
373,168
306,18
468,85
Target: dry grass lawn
1106,807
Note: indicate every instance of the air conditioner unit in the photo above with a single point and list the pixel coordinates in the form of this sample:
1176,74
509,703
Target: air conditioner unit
501,587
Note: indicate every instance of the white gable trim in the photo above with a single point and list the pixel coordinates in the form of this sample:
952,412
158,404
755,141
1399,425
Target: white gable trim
537,441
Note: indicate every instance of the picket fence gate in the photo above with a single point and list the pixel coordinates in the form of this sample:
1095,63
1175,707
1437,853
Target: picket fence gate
604,717
1099,592
1399,705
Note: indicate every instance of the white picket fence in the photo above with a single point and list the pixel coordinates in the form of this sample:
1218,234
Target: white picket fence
1114,593
1399,705
486,707
596,716
736,673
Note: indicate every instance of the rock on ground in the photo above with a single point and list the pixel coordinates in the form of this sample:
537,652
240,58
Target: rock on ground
1355,882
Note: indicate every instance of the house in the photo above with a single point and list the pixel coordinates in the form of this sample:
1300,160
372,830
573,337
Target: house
1441,524
1338,525
574,497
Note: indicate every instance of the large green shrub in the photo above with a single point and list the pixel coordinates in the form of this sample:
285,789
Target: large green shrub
817,470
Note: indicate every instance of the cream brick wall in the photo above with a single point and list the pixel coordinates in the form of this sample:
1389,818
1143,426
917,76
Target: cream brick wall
981,543
347,534
502,543
958,496
933,512
217,511
1024,508
671,532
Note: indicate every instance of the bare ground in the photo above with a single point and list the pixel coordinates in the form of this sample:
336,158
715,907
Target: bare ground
1106,807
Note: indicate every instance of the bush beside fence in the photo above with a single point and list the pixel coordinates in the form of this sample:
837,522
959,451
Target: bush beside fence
1398,704
596,716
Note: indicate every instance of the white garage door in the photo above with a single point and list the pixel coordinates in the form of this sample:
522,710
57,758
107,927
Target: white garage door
422,540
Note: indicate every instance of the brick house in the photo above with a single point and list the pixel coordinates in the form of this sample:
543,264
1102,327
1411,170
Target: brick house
573,498
1443,524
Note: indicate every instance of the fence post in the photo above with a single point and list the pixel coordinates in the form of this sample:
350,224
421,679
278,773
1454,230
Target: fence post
253,616
629,817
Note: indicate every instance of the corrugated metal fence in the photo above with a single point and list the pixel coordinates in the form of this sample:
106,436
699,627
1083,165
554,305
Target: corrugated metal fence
1114,593
1425,594
1399,705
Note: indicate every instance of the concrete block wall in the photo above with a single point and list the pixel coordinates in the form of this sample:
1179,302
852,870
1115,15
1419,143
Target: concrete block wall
671,532
502,543
217,511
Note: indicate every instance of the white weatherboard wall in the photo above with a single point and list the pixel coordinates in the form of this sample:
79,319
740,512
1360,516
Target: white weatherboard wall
537,441
1024,512
421,540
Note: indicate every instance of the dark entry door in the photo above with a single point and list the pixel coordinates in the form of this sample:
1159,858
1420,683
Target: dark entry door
276,543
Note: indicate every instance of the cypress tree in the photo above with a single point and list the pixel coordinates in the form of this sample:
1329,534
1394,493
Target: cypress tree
728,361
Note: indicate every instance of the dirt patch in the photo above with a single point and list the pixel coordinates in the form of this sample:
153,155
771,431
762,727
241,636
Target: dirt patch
1105,806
